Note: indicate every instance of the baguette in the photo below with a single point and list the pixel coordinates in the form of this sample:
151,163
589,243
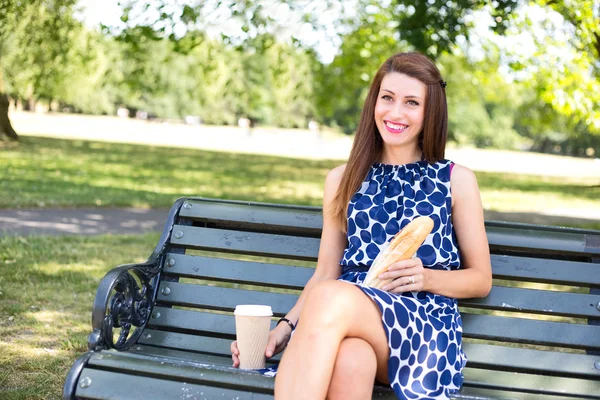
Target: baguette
402,247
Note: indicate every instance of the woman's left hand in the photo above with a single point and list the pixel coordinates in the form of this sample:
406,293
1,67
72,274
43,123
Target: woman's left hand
407,275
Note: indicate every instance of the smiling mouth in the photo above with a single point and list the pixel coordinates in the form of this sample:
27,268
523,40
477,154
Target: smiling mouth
395,128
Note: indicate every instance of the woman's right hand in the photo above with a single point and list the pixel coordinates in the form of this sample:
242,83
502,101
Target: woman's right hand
278,340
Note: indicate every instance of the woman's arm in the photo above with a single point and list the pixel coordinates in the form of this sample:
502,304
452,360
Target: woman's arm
333,242
474,279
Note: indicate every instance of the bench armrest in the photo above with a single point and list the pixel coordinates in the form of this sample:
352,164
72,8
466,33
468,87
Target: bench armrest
125,296
123,300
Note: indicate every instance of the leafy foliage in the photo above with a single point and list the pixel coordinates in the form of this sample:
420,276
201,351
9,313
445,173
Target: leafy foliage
527,78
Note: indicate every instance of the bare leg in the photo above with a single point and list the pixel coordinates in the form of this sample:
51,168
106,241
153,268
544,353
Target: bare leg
333,311
354,371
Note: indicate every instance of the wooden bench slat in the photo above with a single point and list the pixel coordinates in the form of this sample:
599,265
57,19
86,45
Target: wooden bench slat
535,384
249,215
263,274
546,271
286,276
258,244
220,298
547,333
186,342
194,321
481,393
302,222
114,386
548,242
169,364
305,248
543,302
479,355
520,330
521,300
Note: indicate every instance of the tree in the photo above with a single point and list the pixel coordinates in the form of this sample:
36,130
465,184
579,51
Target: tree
45,31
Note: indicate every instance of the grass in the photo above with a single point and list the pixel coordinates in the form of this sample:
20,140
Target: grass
43,172
47,285
62,173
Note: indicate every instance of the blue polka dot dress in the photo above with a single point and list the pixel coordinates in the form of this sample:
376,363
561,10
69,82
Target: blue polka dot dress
424,330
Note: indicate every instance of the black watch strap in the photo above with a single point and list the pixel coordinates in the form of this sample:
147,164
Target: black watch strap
290,323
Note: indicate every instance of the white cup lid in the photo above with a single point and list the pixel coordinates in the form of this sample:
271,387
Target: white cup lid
253,310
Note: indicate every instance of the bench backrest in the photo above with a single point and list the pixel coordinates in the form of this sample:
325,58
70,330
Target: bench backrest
546,293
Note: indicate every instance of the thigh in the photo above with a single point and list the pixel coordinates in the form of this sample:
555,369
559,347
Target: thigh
368,325
362,317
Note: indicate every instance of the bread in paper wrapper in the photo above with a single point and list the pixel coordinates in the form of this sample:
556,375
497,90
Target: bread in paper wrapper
402,247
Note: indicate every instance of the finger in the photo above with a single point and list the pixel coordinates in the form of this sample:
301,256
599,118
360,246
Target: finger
413,287
395,274
234,348
400,265
411,262
271,348
398,282
236,361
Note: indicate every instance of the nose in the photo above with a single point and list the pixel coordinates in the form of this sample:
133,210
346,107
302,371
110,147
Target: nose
397,110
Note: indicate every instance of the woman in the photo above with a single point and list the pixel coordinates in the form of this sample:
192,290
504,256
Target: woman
407,335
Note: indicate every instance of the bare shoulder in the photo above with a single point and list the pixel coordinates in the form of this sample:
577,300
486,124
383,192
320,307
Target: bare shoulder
334,177
463,182
337,172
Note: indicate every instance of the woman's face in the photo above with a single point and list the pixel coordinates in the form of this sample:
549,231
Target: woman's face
400,110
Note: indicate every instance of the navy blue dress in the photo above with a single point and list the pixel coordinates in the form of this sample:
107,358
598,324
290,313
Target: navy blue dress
424,330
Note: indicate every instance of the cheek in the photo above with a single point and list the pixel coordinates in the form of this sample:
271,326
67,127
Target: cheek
379,111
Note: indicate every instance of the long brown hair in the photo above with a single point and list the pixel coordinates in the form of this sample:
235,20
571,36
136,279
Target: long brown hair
368,145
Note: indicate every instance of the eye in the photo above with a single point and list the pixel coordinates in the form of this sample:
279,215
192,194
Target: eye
412,103
386,97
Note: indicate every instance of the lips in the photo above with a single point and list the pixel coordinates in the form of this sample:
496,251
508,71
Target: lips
395,127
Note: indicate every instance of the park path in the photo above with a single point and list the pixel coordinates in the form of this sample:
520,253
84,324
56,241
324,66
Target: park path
96,221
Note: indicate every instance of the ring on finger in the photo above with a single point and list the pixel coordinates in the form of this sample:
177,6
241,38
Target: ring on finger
411,279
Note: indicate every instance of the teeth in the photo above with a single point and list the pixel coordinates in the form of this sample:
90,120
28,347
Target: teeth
394,126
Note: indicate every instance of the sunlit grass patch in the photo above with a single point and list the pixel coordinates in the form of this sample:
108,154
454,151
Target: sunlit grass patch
42,172
47,286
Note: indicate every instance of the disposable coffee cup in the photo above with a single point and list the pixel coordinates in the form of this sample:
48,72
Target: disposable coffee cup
252,326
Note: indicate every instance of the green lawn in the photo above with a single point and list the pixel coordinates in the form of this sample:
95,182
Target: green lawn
42,172
47,284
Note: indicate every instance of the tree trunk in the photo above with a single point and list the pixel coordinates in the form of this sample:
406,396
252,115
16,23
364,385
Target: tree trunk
5,126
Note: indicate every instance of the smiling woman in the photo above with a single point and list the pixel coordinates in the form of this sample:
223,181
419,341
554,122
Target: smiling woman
407,334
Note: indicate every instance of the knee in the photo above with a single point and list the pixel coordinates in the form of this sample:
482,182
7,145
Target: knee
329,298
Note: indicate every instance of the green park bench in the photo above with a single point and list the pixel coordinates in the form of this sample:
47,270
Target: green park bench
162,328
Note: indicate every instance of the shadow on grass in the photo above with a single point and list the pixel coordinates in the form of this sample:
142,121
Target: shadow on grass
45,172
76,172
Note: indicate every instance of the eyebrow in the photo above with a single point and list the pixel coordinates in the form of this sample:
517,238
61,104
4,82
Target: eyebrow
411,96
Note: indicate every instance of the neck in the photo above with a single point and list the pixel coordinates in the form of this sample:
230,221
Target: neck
400,156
